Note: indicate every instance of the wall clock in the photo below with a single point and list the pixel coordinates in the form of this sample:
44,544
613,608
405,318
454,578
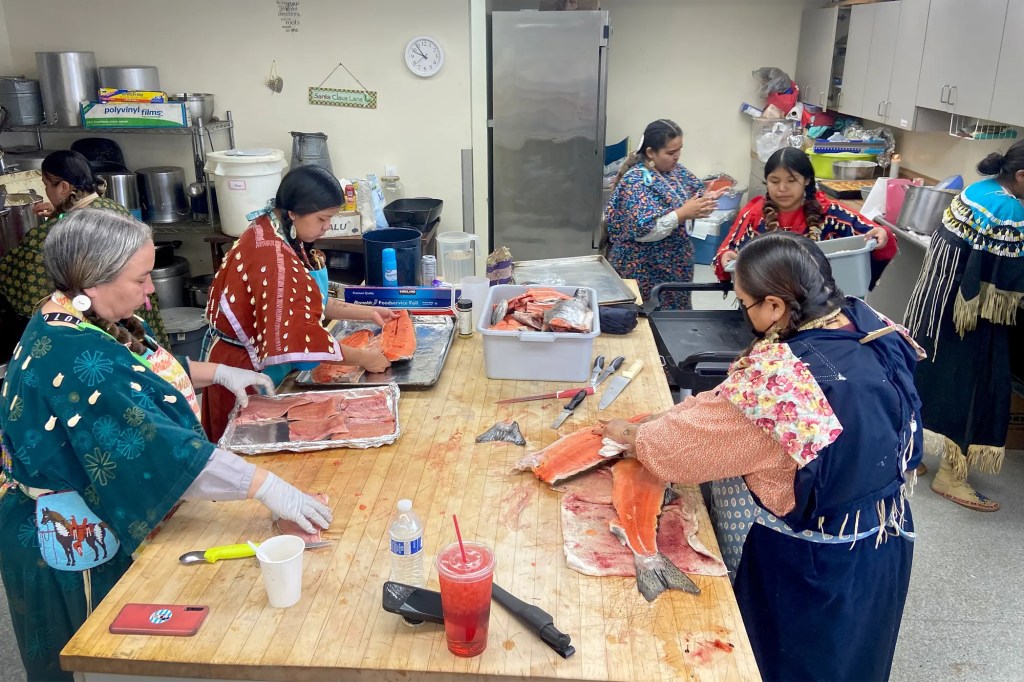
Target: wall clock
424,56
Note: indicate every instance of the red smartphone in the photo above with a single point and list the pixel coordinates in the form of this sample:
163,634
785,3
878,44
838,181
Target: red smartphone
159,619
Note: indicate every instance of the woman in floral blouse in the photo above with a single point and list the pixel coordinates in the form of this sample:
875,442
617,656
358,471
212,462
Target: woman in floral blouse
811,442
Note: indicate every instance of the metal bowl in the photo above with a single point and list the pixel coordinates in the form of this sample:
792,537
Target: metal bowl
199,104
853,170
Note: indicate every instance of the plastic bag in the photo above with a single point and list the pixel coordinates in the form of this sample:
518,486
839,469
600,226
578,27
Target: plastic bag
770,141
377,196
364,204
772,80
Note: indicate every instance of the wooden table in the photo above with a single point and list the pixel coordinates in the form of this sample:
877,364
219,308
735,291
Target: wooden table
339,630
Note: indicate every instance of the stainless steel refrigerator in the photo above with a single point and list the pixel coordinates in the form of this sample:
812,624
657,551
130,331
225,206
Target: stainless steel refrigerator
548,91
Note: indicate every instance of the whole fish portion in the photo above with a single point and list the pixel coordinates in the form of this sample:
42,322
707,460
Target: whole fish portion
503,431
573,454
638,497
527,311
572,315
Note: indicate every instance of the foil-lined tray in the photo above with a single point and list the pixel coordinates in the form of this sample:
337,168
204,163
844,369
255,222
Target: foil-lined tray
263,437
582,271
434,335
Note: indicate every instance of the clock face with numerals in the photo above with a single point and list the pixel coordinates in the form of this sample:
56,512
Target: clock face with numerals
424,56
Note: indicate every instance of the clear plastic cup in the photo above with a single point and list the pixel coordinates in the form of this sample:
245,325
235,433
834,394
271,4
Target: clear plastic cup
281,564
475,288
466,596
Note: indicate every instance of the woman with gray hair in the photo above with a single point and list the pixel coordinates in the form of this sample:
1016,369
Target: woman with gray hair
101,437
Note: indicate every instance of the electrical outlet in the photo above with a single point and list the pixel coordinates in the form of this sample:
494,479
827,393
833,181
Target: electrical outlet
390,170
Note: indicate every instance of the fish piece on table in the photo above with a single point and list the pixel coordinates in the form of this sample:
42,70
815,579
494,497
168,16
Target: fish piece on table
399,338
573,454
262,408
318,409
571,315
638,497
341,373
318,429
503,431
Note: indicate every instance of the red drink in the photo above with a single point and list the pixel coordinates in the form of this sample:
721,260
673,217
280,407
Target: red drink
466,596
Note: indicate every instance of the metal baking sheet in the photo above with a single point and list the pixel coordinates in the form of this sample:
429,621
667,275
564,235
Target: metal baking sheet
258,438
585,271
434,335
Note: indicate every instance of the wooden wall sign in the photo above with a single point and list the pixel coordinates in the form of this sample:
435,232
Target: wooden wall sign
333,97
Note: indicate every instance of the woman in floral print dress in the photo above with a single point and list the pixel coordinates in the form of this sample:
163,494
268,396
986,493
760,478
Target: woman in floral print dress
654,196
94,409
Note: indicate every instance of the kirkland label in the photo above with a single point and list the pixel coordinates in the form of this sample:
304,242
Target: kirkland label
407,548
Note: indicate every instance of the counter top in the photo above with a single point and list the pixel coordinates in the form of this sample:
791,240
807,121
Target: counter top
339,628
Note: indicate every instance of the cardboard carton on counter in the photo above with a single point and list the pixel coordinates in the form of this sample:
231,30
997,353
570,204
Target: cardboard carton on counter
345,224
101,115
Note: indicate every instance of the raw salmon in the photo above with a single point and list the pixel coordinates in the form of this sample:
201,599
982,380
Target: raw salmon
339,373
262,408
531,309
571,455
399,338
638,497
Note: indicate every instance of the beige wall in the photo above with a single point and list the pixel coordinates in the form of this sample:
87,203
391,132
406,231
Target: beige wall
938,155
692,61
6,68
226,47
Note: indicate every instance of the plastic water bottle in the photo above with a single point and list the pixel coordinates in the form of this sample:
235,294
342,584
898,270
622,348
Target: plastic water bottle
407,546
390,266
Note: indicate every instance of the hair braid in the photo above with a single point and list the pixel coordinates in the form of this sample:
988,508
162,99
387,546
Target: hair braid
813,213
771,214
131,338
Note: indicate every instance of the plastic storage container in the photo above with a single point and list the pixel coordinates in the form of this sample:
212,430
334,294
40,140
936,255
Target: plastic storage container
850,258
822,163
186,327
536,356
715,228
245,180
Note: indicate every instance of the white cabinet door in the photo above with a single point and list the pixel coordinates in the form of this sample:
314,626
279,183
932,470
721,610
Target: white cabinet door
1008,98
884,29
906,63
961,55
814,55
859,50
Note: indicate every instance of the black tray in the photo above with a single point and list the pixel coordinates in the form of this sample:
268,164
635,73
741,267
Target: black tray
418,212
697,346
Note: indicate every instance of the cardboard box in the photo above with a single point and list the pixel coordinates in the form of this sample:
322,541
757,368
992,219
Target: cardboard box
137,96
345,224
1015,432
101,115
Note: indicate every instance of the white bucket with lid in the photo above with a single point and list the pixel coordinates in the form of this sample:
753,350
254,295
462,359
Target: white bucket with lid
246,179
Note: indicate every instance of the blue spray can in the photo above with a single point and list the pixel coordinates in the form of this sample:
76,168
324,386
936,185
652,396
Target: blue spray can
390,266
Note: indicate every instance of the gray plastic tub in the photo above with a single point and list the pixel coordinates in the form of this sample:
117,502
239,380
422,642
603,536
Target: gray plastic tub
850,258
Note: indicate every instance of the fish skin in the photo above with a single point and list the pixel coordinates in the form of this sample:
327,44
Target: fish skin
638,497
572,454
503,431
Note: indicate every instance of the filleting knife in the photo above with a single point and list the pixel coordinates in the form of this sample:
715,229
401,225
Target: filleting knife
569,407
619,383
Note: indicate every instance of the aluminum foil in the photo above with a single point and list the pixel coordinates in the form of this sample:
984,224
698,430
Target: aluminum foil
583,271
270,436
434,334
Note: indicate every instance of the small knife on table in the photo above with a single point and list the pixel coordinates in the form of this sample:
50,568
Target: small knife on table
619,383
598,368
565,393
569,407
610,370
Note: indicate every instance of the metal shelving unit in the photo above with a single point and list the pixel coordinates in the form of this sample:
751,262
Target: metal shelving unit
198,133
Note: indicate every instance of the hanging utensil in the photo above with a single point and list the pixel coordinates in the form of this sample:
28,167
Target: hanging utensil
274,81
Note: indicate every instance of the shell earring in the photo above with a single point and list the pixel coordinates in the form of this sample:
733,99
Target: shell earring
292,233
81,303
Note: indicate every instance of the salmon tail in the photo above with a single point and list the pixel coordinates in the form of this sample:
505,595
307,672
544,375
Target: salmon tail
655,574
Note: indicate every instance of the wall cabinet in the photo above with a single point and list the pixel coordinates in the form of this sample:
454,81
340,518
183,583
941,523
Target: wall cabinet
814,55
961,56
908,53
1008,96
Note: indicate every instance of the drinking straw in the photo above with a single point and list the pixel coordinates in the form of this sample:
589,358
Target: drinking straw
458,534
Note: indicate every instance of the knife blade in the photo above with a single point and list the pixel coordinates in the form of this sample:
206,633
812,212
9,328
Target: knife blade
619,383
564,393
569,407
610,370
215,554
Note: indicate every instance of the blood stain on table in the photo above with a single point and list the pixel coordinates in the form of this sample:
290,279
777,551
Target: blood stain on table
509,645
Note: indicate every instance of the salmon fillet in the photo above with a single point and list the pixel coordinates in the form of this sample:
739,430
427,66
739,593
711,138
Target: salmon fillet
262,408
340,373
318,409
399,338
316,429
570,455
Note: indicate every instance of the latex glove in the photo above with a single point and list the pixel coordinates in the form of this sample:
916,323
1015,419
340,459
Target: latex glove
285,501
237,380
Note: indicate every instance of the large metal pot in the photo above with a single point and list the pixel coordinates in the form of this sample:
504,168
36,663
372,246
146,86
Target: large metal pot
171,283
17,218
853,170
162,194
130,78
124,189
199,105
923,208
66,79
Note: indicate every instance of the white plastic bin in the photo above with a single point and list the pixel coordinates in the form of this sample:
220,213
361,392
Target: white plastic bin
245,179
850,258
536,356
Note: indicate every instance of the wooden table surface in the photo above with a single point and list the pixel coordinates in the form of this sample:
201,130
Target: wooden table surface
339,631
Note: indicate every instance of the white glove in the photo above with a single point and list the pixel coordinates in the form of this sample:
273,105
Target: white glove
237,380
288,502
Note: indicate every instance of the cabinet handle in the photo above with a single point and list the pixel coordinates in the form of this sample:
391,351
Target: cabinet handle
821,100
839,99
952,91
879,110
944,94
887,105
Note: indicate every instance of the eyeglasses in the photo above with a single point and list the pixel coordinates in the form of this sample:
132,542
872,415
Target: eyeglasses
739,305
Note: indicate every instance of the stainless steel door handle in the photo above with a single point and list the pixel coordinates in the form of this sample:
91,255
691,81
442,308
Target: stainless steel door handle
888,104
952,91
944,94
878,111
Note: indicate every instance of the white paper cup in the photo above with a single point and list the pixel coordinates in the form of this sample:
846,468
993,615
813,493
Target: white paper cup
281,563
475,289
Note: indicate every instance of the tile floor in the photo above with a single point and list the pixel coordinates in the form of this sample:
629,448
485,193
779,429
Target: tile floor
964,620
